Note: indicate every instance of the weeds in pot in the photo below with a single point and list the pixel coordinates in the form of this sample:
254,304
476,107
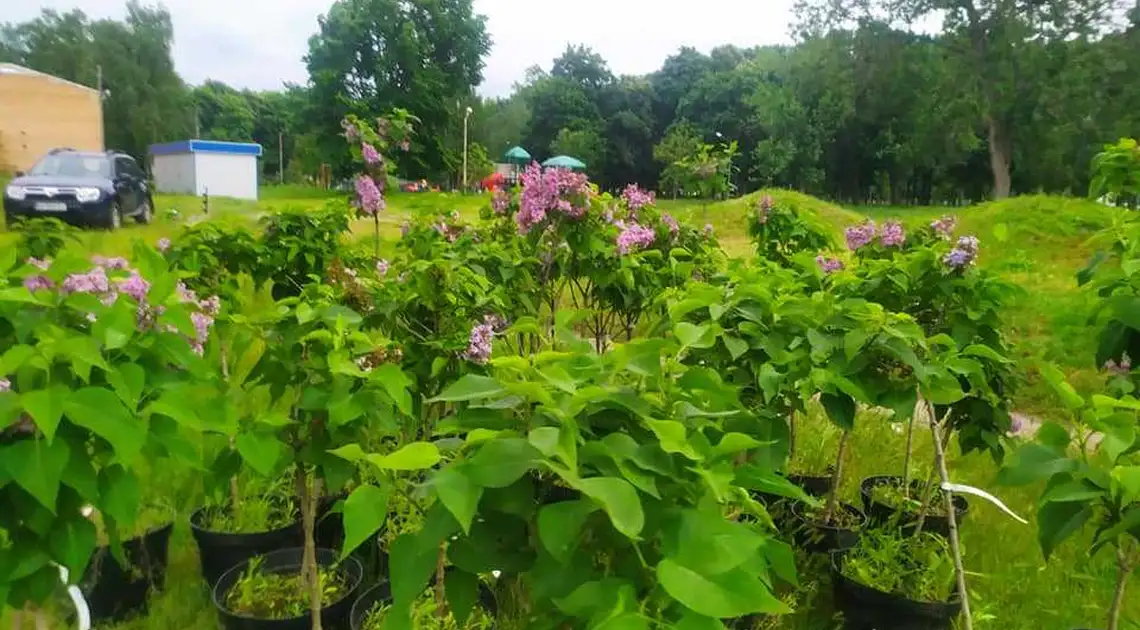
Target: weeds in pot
426,616
263,595
267,506
918,568
893,495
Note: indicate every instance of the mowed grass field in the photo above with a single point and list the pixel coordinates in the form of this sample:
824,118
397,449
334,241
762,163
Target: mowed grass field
1038,243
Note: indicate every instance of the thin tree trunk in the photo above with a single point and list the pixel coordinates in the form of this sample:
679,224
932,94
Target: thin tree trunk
836,476
1123,569
955,543
909,449
310,573
440,574
1000,158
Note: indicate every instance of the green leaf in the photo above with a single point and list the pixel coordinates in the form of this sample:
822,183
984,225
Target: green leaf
470,387
1072,492
15,357
261,451
364,513
462,590
37,467
414,456
545,439
732,594
841,409
560,524
733,443
410,568
119,494
691,335
501,462
1058,521
673,438
72,541
736,346
1056,379
624,621
1034,462
396,383
102,412
45,406
620,501
458,494
128,380
1129,479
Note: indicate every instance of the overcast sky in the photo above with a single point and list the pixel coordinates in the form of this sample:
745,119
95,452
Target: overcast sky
259,43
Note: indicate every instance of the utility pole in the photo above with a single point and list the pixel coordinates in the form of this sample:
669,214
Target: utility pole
465,117
280,157
102,122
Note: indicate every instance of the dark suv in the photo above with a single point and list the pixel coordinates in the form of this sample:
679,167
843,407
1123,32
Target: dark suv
96,189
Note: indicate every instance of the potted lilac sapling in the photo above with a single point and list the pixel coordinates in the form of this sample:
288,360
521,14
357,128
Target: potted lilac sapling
369,146
92,350
335,383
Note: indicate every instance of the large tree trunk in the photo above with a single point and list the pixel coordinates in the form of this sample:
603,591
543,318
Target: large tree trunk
1000,157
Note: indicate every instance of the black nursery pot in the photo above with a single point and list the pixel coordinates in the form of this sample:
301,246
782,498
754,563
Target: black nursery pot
816,537
814,486
382,593
882,514
334,615
866,608
114,593
221,550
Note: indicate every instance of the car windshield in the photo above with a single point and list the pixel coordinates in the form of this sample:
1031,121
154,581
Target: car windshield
73,165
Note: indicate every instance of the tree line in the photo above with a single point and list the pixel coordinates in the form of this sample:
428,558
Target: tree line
998,97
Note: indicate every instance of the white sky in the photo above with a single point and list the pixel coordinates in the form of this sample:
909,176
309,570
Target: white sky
259,43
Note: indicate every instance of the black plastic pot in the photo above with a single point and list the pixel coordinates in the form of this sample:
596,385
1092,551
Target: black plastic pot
330,524
334,615
816,537
219,551
866,608
885,515
814,486
382,593
115,593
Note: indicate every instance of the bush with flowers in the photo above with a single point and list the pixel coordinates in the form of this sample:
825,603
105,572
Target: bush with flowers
781,234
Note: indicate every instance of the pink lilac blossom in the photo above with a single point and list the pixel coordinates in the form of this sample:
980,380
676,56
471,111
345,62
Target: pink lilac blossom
548,191
479,345
634,237
764,208
944,227
501,201
94,281
114,264
38,283
368,195
860,235
350,130
969,243
134,286
42,265
185,294
636,198
1122,368
369,153
709,231
959,258
674,227
163,244
829,265
893,234
211,305
5,385
382,267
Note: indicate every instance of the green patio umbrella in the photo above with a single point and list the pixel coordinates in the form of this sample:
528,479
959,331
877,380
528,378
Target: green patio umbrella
565,161
517,155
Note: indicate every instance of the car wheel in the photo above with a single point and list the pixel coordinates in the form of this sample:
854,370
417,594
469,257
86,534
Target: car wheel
115,216
146,212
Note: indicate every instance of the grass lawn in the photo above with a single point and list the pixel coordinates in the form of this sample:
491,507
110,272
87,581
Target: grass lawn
1038,243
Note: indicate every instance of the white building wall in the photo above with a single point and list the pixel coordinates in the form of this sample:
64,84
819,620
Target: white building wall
226,175
174,173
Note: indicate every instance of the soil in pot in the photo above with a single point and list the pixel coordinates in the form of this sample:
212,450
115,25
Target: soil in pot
369,612
886,503
266,592
812,534
893,582
226,539
114,592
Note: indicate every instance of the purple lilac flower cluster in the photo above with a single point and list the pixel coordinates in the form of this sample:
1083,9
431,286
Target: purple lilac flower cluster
860,235
892,234
134,286
382,267
114,264
5,385
634,237
1123,368
944,227
38,282
709,231
350,130
501,201
203,318
636,198
964,254
479,346
370,154
668,220
368,195
764,208
828,264
163,245
94,281
550,190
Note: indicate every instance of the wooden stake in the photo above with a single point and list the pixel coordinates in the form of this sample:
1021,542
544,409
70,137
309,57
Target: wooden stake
955,543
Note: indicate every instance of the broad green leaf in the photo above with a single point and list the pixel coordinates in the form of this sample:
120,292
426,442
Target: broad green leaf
119,494
733,443
470,387
101,412
501,462
545,439
414,456
350,452
462,590
1056,379
1129,479
45,406
364,513
620,501
711,545
736,346
673,438
458,494
410,566
732,594
781,559
841,409
1034,462
559,378
72,541
624,621
396,383
128,380
15,357
1058,521
261,451
37,467
691,335
560,524
1072,492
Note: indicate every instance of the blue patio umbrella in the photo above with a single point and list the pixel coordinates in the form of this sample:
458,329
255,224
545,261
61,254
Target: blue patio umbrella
565,161
517,155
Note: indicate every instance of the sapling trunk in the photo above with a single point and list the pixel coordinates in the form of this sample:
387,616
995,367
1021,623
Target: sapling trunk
310,574
791,435
836,476
927,497
440,573
376,234
955,543
1123,568
909,450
